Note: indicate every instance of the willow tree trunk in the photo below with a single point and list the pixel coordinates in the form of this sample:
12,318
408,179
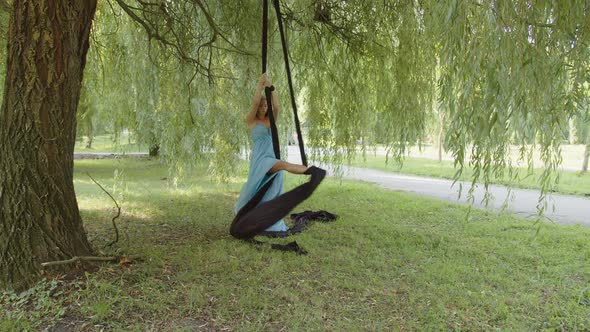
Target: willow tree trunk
586,152
441,132
39,216
90,133
573,131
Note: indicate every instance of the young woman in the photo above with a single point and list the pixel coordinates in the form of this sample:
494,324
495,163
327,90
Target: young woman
263,163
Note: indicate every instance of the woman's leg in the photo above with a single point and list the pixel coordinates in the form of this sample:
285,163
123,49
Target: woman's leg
291,168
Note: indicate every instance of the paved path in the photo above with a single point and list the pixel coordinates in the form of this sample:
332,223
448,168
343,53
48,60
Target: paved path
565,209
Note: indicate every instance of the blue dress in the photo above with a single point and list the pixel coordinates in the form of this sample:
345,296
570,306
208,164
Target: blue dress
261,161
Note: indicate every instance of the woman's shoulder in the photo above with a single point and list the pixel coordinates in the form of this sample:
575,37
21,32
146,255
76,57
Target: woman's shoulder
260,124
253,124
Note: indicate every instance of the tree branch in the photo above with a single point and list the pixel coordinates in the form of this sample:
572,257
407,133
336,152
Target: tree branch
154,34
88,259
118,211
151,16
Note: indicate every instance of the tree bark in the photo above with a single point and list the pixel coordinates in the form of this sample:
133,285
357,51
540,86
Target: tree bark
573,131
90,133
586,153
441,131
154,150
39,216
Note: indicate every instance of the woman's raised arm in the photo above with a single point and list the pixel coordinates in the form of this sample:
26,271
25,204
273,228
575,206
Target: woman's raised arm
251,116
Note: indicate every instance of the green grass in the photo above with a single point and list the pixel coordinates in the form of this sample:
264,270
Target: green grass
392,261
570,182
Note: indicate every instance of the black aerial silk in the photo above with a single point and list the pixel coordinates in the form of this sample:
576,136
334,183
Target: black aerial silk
252,219
301,221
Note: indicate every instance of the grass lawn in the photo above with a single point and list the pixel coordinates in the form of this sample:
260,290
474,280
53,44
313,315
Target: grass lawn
570,182
392,261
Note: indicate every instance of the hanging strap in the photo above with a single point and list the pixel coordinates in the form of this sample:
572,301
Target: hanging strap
254,201
264,34
267,90
273,125
290,81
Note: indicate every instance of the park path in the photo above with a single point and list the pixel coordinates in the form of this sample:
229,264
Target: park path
564,209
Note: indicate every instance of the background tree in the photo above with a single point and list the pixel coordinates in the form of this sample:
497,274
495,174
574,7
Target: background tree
584,106
586,152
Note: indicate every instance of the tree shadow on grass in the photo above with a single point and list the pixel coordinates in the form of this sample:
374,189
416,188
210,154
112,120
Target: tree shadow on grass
164,218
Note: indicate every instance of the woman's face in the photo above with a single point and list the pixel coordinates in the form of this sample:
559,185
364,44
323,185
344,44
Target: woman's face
262,107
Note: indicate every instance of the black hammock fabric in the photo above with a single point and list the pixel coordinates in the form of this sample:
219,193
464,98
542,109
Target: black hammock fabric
254,218
291,246
301,221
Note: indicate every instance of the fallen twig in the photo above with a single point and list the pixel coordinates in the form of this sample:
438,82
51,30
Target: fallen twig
118,211
88,259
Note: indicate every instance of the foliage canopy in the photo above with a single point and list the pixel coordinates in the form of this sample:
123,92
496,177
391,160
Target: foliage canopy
180,74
